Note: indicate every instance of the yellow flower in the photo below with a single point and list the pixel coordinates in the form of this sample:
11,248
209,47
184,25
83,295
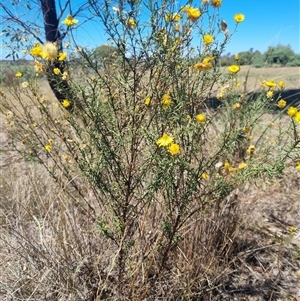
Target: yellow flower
62,56
236,106
39,67
36,51
193,14
147,101
220,95
205,64
242,165
66,103
292,111
238,18
216,3
70,21
269,84
166,101
297,117
165,140
227,167
201,118
234,69
236,57
207,39
250,150
204,1
281,103
246,130
48,147
64,75
281,84
131,23
204,176
24,85
50,51
172,17
298,165
19,74
174,149
56,71
270,94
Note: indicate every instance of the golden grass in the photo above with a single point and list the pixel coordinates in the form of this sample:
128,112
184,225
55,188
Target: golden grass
290,75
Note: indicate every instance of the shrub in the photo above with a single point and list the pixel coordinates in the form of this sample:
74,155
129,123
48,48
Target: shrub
149,169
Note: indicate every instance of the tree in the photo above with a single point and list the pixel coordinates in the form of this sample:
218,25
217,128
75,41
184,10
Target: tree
279,55
52,33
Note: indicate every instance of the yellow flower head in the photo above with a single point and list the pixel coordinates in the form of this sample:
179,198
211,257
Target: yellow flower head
292,111
236,106
281,103
234,69
174,149
66,103
298,167
216,3
250,150
205,1
207,39
242,165
39,67
204,176
236,57
166,101
56,71
169,17
70,21
246,130
50,51
19,74
269,84
36,51
281,84
131,23
201,118
270,94
147,101
62,56
238,18
297,117
193,14
165,140
48,148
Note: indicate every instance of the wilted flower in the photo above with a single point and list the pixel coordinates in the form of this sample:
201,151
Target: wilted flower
216,3
50,51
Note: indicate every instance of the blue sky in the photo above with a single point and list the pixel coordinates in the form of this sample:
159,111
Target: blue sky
267,23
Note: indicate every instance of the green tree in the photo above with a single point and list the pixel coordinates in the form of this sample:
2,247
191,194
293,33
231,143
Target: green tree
279,55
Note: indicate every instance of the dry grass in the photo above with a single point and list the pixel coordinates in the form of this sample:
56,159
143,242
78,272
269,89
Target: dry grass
50,248
290,75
